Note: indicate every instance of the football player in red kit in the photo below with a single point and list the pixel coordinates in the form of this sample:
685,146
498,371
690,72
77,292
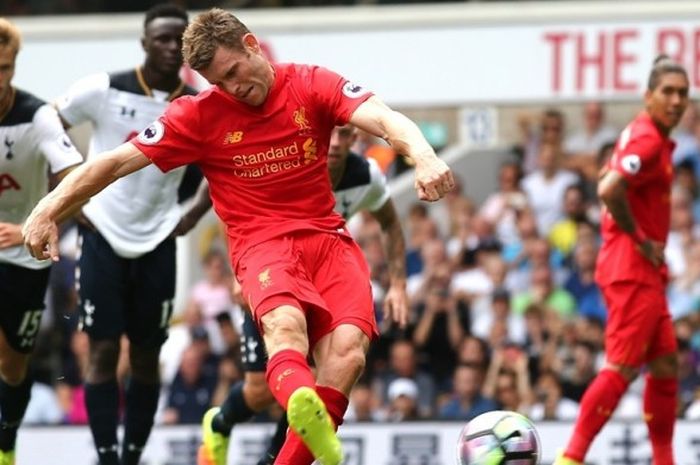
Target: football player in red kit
260,136
635,189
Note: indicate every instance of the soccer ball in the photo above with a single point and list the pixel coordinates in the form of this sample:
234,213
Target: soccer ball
498,438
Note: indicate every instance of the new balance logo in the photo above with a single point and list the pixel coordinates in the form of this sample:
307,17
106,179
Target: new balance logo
286,373
233,137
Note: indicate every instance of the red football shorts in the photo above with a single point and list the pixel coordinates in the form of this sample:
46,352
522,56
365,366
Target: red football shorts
323,274
639,327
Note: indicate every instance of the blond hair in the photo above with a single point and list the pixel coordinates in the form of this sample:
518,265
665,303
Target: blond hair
207,32
9,36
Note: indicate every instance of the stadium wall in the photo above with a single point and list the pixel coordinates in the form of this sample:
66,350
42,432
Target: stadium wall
418,55
365,444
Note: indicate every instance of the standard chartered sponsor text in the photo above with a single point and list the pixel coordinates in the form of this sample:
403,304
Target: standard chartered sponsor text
272,160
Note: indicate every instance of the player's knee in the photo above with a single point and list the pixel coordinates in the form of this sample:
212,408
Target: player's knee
285,328
103,359
144,364
257,393
664,367
13,371
627,372
349,357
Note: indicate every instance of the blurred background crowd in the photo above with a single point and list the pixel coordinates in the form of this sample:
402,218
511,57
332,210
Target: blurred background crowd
505,310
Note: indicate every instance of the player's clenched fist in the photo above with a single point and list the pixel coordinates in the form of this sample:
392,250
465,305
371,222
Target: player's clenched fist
41,236
433,179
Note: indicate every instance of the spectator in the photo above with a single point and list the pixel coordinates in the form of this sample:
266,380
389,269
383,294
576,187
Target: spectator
403,364
583,145
683,231
433,258
508,380
685,136
473,350
212,295
544,292
563,235
500,313
442,322
684,291
364,405
550,404
583,370
403,400
191,392
545,188
550,132
502,207
581,284
466,400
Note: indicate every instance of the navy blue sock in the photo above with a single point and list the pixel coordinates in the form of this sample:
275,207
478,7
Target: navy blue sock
276,442
141,405
102,403
13,404
233,410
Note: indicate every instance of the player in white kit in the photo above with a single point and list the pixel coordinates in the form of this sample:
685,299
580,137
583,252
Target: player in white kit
126,268
32,141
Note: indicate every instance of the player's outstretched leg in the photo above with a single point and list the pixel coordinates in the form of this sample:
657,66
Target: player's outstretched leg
597,405
309,419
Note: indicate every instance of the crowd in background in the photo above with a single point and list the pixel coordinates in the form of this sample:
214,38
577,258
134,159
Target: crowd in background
505,311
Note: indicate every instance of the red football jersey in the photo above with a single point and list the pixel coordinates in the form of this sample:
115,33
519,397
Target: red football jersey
643,156
266,165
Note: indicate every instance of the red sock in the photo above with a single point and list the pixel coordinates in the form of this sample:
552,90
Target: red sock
336,403
294,452
660,403
287,371
597,405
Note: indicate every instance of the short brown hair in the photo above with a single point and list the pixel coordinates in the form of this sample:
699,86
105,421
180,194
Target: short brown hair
663,64
207,32
9,36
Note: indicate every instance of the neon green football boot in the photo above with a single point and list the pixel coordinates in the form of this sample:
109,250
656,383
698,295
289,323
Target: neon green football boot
7,457
309,419
214,448
563,460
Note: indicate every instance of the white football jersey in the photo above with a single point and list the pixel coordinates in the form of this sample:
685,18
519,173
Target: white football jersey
362,187
32,141
138,211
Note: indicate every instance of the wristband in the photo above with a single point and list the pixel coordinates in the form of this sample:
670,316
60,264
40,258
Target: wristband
638,236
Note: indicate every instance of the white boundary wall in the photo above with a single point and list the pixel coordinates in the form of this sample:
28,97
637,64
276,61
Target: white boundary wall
444,54
365,444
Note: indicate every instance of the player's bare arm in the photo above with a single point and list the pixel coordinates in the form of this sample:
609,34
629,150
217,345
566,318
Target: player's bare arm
612,190
40,231
200,205
433,177
396,301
